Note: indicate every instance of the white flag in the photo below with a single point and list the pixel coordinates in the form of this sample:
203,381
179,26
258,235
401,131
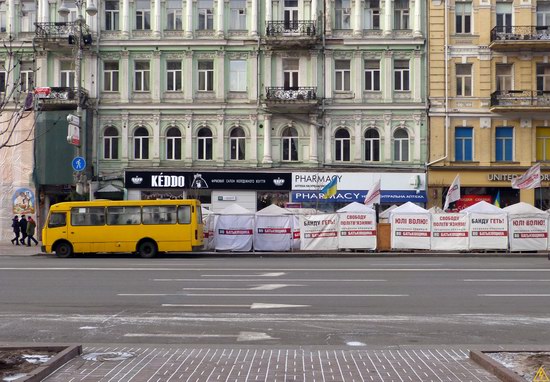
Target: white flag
454,193
373,196
531,179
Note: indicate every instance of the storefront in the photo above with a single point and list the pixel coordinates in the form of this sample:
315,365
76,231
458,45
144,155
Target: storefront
485,184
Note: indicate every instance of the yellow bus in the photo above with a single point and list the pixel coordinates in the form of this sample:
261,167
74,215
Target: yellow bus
145,227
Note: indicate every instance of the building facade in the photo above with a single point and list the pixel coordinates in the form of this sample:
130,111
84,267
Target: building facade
488,92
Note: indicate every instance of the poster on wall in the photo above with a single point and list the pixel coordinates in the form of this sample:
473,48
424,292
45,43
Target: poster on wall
357,230
410,231
449,232
319,232
488,231
23,202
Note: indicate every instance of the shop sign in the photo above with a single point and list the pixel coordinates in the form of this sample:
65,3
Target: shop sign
208,180
509,177
348,196
314,181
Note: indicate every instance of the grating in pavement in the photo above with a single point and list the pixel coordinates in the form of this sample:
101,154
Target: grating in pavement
165,364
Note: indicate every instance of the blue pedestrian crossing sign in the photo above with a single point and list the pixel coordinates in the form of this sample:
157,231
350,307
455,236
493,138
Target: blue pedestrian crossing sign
79,163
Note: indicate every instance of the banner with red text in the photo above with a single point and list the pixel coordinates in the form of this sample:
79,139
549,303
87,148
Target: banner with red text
488,231
411,231
272,233
450,232
528,232
357,230
319,232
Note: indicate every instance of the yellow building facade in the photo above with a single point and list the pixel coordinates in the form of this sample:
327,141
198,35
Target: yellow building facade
489,98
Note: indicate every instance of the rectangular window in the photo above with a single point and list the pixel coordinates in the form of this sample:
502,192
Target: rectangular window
372,14
3,17
372,75
123,215
237,9
504,144
87,216
67,74
111,15
184,215
110,76
504,77
26,77
173,76
464,80
174,15
159,214
237,75
401,75
543,13
342,75
28,15
504,17
543,77
463,17
206,76
206,14
401,14
143,15
342,14
464,144
142,75
543,144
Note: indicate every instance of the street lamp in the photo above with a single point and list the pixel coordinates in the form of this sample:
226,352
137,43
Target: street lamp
80,40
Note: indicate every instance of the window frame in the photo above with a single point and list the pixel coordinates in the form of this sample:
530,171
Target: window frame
142,77
174,15
205,15
342,76
342,146
504,144
173,144
372,75
401,16
401,146
464,15
205,76
141,144
111,77
143,15
238,76
112,16
372,15
342,14
372,146
205,144
237,144
465,142
463,80
402,76
111,144
174,76
289,145
238,15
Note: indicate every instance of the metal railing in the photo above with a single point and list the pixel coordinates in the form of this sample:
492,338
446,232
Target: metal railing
280,93
51,30
521,98
520,33
297,27
62,94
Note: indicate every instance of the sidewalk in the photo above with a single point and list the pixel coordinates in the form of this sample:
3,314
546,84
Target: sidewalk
163,363
8,249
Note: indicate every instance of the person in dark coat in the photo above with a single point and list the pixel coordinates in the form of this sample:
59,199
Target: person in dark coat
15,226
23,229
31,228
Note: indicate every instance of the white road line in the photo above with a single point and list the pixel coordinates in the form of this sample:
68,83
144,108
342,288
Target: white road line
257,295
256,305
515,270
270,274
514,295
204,306
291,280
507,280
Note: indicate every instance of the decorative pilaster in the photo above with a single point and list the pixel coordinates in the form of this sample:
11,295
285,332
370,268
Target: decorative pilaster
157,20
220,31
417,73
220,144
386,75
357,134
417,27
254,19
314,13
267,140
253,138
156,77
387,138
125,136
417,137
388,18
313,139
155,155
124,76
220,69
125,32
328,17
10,28
189,20
267,69
328,140
357,27
328,73
357,86
188,155
253,63
188,73
268,10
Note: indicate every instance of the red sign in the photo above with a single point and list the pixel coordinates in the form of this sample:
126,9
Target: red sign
469,200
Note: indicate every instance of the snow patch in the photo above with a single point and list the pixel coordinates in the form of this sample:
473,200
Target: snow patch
110,356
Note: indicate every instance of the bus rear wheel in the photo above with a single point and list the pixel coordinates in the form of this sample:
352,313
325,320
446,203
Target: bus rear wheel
147,249
63,250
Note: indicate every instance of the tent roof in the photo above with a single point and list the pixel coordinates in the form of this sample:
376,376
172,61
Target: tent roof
356,207
483,207
409,207
436,210
386,213
523,208
205,211
235,209
274,210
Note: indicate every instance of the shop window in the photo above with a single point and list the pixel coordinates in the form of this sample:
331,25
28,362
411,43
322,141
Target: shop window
464,144
504,144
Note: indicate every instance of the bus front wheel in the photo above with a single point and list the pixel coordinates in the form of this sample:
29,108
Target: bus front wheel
63,250
147,249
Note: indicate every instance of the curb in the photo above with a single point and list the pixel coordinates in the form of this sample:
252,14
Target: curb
64,355
495,367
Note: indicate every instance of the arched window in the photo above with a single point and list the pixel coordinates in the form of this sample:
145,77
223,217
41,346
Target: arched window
372,145
141,143
204,144
290,144
110,143
237,142
173,144
342,145
401,145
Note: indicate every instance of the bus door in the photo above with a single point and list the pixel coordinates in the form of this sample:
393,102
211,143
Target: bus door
86,229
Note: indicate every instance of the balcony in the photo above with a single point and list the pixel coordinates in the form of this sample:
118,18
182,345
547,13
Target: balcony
289,34
62,34
291,99
59,98
520,100
507,38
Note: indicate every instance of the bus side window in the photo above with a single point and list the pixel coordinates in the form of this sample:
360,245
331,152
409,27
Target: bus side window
184,214
57,219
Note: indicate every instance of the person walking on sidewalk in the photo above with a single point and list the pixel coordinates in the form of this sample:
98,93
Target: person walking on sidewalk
15,226
31,228
23,229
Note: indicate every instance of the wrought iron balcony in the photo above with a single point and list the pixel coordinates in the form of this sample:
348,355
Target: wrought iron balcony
52,98
514,37
290,28
51,31
514,100
294,95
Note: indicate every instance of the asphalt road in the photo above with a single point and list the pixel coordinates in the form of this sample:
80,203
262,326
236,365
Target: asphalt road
276,301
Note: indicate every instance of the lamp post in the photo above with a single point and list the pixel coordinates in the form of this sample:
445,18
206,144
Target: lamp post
78,39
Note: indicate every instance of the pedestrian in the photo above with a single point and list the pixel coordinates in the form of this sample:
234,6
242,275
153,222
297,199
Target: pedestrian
15,226
31,227
23,229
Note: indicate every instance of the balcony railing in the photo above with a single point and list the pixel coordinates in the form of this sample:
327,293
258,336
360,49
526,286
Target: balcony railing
520,99
57,30
293,28
520,33
60,95
296,94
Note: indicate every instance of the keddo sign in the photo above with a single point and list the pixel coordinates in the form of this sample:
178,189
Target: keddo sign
145,180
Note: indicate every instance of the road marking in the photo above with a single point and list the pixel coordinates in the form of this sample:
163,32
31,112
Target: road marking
259,305
256,295
271,274
514,295
275,274
259,287
256,305
507,280
242,336
294,280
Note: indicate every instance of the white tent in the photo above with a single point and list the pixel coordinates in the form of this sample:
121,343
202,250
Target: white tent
319,232
384,216
528,227
488,226
356,227
449,231
273,229
234,227
296,234
208,219
410,227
